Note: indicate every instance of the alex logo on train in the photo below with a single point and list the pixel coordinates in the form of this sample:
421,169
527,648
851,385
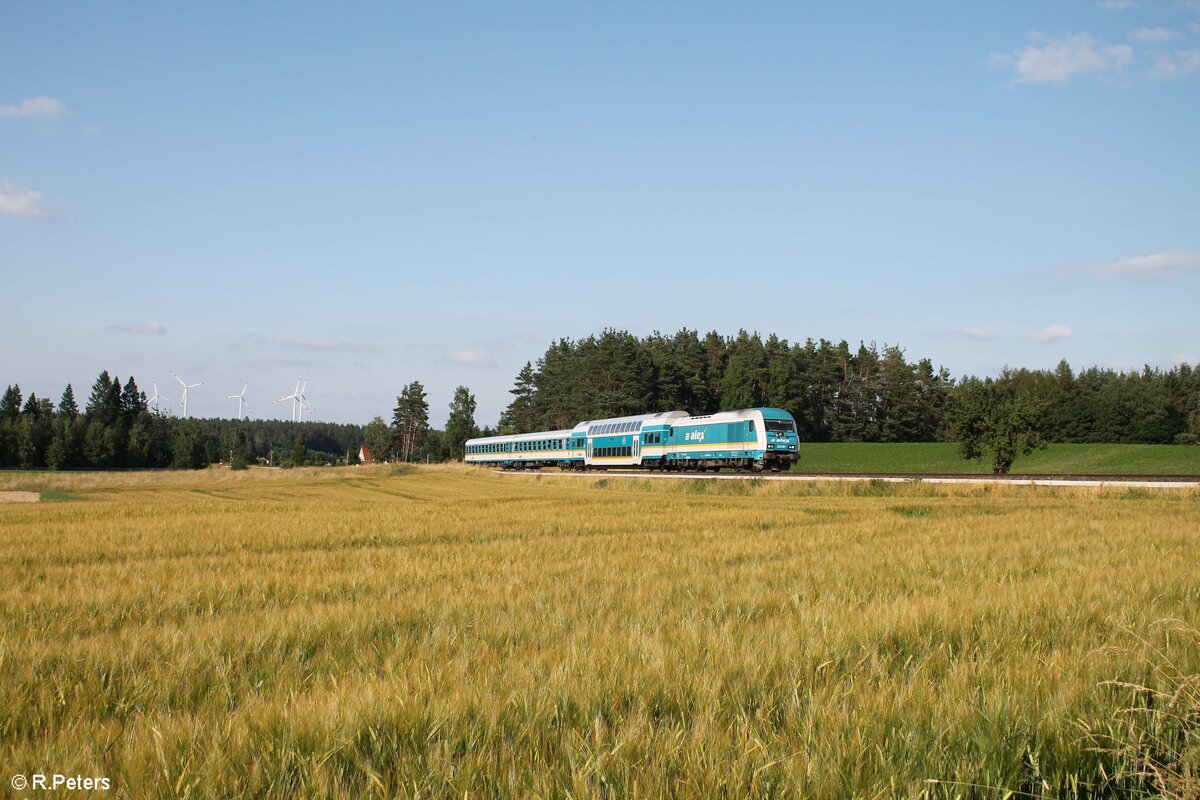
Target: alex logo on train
695,436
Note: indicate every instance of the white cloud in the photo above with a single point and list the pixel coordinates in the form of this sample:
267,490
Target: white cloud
1118,5
1151,35
470,358
150,327
1156,265
1178,64
977,333
47,107
1057,59
17,201
326,345
1050,333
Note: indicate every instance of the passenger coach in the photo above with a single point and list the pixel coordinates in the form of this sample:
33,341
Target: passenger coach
753,438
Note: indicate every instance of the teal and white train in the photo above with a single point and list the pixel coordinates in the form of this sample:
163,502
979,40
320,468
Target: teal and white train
752,438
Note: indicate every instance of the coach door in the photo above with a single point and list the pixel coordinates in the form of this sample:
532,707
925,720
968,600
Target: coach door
636,450
588,450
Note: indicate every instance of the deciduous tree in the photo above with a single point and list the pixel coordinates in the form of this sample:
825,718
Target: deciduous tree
992,419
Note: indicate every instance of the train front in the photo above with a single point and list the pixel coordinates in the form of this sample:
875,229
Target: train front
782,443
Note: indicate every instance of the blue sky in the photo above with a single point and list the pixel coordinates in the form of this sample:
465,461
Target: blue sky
380,193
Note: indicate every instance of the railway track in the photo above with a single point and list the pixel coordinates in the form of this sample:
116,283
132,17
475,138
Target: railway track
1116,481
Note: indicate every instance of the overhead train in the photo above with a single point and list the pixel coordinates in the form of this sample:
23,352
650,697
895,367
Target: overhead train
752,438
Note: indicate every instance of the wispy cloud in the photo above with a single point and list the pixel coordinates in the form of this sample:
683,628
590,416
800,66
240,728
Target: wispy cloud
977,333
325,345
1156,265
1153,35
1058,59
1050,333
17,201
1177,64
272,361
33,107
1118,5
150,327
470,358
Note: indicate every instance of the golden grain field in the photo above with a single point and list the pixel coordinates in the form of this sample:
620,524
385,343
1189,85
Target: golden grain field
443,632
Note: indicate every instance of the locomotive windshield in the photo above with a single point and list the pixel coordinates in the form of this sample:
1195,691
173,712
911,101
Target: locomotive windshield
780,425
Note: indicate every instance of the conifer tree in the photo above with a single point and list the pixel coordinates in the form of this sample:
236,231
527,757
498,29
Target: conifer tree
518,417
410,419
100,406
67,406
460,426
10,403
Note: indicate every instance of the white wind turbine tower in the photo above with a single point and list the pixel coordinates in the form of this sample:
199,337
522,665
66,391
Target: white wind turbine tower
299,401
186,386
304,401
157,397
241,398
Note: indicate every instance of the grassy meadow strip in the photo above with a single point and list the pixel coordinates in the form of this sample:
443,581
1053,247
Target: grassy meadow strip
446,632
1056,459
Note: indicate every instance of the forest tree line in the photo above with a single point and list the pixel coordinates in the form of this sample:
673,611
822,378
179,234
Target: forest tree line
116,429
835,392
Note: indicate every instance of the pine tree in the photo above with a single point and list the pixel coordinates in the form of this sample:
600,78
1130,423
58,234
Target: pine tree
188,445
34,432
67,406
898,407
132,400
714,370
101,405
745,373
519,416
10,404
299,455
460,426
410,419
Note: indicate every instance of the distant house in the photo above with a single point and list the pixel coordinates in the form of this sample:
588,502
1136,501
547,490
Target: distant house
364,455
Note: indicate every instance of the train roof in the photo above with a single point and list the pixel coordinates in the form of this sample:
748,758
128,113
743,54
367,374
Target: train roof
736,415
590,425
520,437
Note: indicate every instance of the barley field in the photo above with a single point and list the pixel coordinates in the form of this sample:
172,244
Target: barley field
444,632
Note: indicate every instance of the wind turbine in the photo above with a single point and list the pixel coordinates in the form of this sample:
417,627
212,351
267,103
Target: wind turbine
157,397
299,401
241,398
304,401
186,386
